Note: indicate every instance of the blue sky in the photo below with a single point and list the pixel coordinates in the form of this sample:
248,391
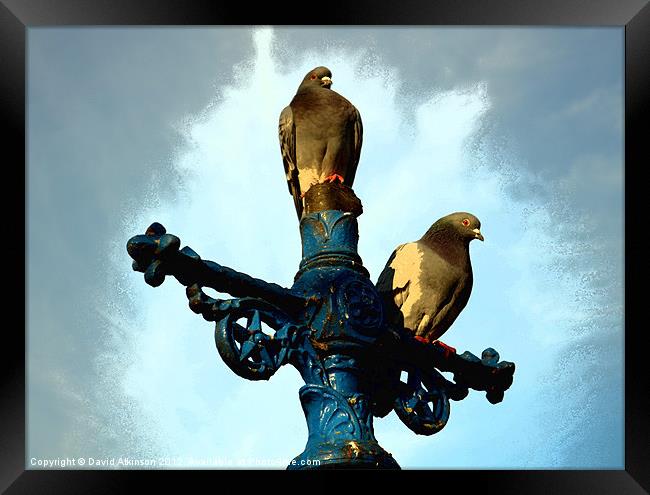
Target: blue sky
126,126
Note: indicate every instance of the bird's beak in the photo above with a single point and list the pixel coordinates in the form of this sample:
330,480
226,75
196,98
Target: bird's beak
327,82
478,235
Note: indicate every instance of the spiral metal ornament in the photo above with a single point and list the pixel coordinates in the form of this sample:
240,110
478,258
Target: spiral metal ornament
246,349
423,403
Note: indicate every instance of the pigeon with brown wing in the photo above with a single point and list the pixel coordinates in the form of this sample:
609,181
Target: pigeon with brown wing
320,136
427,283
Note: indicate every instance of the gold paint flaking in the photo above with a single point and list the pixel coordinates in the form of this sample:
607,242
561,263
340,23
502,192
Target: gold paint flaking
354,447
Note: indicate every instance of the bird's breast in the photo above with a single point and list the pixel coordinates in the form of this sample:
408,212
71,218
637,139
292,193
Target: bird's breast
440,272
323,111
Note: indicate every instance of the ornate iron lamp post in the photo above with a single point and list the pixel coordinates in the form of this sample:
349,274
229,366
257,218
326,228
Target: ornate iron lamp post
330,326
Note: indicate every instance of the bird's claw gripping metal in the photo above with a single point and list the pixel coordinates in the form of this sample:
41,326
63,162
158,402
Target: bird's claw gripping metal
333,178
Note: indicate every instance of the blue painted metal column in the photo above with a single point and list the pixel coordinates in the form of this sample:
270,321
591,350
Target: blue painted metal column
344,325
330,326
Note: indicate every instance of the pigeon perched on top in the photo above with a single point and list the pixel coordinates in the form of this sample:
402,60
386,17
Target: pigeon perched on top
320,136
427,283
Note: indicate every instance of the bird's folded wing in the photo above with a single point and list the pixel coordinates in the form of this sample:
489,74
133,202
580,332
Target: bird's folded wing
358,141
400,270
287,135
439,312
446,312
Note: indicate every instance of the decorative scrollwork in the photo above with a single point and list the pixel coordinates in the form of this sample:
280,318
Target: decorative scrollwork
423,401
485,373
362,305
246,349
333,417
211,309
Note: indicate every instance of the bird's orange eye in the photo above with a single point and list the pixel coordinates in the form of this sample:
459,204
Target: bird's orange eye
313,76
466,222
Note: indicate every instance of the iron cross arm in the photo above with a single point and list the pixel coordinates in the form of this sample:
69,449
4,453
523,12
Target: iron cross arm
486,373
158,254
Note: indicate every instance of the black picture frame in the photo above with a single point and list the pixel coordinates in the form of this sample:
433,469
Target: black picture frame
16,16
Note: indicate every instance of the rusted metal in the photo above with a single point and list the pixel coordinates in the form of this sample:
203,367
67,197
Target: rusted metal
332,196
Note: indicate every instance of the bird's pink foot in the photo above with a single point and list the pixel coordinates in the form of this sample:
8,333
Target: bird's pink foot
333,177
447,348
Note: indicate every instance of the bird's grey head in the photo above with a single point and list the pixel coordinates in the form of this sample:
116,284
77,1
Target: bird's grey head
461,224
320,77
